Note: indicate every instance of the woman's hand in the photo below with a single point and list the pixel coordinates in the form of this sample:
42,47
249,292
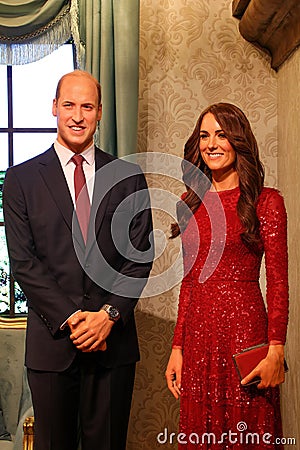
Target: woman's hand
270,370
173,372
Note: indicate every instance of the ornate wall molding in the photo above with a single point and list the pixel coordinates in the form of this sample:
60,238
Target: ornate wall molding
18,324
272,25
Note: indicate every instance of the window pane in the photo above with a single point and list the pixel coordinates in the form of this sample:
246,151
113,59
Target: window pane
20,300
34,88
3,150
4,274
3,97
28,145
2,175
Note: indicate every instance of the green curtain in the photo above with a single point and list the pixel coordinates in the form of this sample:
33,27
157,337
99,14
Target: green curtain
109,29
31,29
18,18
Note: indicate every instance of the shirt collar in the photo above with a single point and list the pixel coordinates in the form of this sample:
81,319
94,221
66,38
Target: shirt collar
65,154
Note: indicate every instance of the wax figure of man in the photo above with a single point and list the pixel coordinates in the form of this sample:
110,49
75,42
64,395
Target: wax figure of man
81,284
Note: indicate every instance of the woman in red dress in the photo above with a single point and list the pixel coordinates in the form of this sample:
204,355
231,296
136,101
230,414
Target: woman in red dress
234,221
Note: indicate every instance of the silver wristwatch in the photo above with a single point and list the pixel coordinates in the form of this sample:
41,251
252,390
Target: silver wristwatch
112,312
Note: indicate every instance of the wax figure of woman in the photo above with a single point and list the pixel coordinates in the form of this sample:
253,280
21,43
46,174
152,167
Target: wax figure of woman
221,308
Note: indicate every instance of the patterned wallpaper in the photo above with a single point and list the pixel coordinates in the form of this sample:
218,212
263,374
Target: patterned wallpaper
191,55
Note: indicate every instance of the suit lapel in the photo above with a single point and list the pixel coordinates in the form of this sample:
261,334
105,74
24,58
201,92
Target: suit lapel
52,173
104,176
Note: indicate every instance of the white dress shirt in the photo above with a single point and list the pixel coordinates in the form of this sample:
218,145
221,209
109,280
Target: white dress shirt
65,155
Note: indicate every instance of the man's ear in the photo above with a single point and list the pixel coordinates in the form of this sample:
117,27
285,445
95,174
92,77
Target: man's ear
54,108
99,116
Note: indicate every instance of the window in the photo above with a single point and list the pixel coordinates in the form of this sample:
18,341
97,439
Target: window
27,128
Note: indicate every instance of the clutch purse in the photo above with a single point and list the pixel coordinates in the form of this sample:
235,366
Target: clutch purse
247,360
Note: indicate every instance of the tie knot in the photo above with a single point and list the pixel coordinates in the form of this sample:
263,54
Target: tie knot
77,160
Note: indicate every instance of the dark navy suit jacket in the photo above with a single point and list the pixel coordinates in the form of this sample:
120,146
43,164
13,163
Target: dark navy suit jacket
58,273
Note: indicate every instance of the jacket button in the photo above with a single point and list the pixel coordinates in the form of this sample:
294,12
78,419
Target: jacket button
86,296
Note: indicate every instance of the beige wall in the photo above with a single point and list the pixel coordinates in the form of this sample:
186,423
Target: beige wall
191,55
289,182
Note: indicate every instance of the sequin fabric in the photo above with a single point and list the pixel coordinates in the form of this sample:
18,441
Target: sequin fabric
222,311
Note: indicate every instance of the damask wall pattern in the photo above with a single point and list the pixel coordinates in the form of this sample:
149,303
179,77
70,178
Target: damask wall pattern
191,55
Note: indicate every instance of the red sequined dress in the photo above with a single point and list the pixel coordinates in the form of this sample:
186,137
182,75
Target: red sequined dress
221,312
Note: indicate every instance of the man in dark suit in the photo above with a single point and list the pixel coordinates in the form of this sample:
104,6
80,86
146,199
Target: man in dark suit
82,284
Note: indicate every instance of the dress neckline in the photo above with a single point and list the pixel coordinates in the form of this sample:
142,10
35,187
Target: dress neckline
225,191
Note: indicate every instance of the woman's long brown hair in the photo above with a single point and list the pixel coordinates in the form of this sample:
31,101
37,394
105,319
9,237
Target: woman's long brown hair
250,170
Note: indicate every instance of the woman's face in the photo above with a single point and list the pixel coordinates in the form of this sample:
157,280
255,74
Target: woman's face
216,151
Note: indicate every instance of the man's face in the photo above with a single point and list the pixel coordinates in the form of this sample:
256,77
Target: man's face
77,113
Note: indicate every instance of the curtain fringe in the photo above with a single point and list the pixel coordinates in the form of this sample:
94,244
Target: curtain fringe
74,19
41,45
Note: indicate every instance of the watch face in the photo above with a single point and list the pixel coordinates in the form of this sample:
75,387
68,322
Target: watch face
113,313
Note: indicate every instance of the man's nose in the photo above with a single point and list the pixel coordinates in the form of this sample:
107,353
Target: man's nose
77,115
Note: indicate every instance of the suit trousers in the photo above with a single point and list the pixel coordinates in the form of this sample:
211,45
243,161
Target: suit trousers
86,403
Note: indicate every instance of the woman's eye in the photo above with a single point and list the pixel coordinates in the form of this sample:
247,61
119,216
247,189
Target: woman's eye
203,136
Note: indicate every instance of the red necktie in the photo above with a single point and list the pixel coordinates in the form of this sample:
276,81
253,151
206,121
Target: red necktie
83,206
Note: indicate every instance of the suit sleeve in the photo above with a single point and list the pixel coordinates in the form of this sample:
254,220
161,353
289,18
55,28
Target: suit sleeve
134,272
44,294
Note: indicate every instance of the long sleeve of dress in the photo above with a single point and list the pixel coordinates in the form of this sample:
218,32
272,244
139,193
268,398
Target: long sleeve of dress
184,301
273,229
